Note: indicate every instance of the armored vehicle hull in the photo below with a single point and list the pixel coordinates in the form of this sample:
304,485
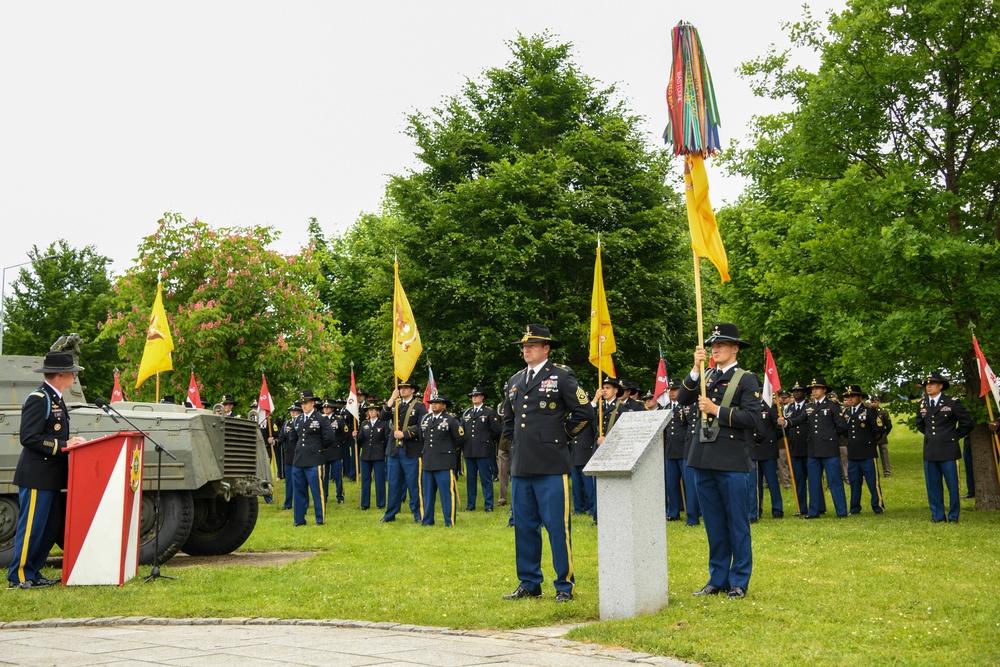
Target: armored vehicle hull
209,495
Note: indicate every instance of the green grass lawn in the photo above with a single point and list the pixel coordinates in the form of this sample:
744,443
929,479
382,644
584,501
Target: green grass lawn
866,590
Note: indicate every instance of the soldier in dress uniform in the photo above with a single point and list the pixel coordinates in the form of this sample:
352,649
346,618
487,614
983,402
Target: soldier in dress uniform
347,444
824,424
675,438
544,408
286,442
482,429
315,436
614,395
630,400
690,416
720,457
883,441
584,486
443,437
403,464
784,465
228,403
864,428
374,436
649,401
765,454
503,460
944,421
42,471
797,430
333,467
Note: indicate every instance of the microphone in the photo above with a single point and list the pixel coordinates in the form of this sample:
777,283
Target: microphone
99,402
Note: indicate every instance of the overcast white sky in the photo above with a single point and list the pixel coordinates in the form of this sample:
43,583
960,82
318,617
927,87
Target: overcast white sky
246,112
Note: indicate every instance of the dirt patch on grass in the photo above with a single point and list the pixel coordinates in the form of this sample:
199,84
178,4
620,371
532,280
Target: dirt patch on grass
247,559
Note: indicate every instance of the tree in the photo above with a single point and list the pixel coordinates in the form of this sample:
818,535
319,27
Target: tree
520,173
235,309
872,221
69,293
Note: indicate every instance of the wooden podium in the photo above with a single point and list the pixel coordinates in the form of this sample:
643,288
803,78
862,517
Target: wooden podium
103,506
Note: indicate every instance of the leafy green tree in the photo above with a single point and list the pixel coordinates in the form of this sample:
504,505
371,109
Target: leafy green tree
871,224
235,309
519,174
69,293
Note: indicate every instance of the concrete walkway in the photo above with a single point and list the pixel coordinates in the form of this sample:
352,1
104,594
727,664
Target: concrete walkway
260,641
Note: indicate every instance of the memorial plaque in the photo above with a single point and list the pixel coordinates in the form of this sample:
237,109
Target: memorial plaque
627,442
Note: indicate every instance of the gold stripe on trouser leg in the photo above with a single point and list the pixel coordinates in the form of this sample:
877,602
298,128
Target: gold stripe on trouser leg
322,498
27,535
420,486
684,500
878,486
569,545
453,487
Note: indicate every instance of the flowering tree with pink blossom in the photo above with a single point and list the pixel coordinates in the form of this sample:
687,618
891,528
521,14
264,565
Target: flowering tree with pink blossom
235,308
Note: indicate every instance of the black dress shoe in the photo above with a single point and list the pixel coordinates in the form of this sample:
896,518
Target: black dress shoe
522,592
709,589
811,516
564,596
385,520
45,581
488,509
736,593
969,495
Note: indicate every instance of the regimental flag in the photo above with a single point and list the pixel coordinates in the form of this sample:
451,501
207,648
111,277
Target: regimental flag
265,406
116,394
705,238
194,396
159,344
352,398
662,390
406,347
602,337
431,390
987,378
772,384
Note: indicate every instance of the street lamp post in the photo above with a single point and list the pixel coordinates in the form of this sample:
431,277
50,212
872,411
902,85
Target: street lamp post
3,289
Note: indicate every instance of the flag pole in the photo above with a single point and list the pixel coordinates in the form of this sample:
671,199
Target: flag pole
701,331
157,388
993,437
357,427
270,436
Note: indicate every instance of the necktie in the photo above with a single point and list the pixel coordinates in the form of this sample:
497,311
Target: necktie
531,375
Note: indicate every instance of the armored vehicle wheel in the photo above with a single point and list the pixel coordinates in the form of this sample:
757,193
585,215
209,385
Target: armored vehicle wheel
176,519
221,526
8,527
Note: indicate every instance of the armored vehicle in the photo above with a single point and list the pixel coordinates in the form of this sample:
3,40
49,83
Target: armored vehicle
209,495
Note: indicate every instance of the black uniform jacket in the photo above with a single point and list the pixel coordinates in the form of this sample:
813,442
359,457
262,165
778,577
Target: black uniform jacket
767,434
824,424
691,415
374,439
675,435
482,430
864,428
315,436
731,449
797,429
541,417
943,426
608,415
583,445
443,437
410,415
288,438
336,452
44,463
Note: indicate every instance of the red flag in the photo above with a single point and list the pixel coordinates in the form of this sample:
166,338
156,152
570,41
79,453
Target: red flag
662,391
772,384
352,399
987,378
265,405
116,394
431,390
193,396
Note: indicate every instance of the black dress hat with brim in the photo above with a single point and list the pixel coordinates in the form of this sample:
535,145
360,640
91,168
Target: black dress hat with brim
58,362
936,377
726,332
537,333
818,381
854,390
440,398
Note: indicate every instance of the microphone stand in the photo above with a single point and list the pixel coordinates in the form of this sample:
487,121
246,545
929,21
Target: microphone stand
154,574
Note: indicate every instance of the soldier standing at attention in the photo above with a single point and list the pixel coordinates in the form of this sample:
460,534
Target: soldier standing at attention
883,441
443,437
674,439
944,421
784,465
584,486
333,467
228,403
42,471
864,428
544,408
824,424
766,456
403,465
720,458
373,439
315,436
287,440
482,429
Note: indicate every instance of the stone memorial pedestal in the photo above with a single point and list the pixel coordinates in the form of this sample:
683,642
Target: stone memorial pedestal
631,529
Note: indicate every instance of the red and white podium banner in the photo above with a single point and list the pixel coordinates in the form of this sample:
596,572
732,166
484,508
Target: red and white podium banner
103,507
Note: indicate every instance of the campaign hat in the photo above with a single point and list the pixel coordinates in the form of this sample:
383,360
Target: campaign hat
477,390
408,383
616,383
674,383
798,386
59,362
228,399
369,405
537,333
935,376
307,395
854,390
818,381
295,406
440,398
327,402
726,332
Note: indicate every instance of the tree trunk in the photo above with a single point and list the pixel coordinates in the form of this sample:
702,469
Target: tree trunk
985,470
